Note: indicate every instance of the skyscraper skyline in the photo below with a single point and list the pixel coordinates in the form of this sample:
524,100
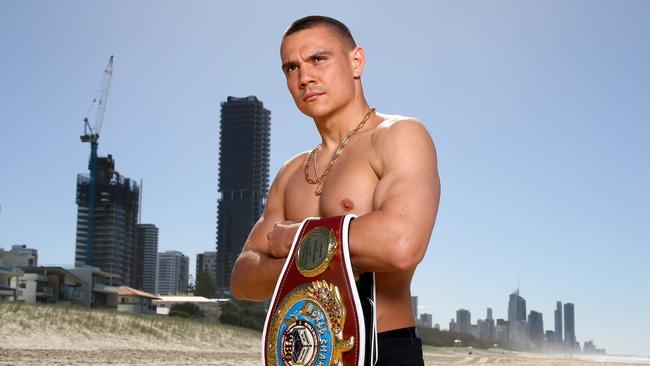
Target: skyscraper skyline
526,333
244,153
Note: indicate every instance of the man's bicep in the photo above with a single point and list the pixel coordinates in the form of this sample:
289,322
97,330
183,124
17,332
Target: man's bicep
405,201
409,187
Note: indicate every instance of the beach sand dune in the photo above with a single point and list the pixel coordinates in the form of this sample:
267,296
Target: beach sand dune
123,357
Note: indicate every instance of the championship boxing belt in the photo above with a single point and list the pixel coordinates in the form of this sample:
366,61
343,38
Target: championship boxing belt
316,316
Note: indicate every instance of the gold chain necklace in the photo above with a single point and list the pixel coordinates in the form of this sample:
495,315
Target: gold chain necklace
319,180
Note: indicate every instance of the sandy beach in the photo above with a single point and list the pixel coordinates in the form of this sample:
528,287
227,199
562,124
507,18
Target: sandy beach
49,335
230,355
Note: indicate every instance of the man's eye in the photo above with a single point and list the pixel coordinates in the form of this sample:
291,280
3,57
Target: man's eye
291,68
320,58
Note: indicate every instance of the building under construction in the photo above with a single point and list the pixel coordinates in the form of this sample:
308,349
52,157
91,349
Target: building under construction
107,234
107,204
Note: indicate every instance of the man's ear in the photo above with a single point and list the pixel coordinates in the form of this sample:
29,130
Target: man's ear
358,58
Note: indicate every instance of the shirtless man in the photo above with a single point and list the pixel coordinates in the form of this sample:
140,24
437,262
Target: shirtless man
386,174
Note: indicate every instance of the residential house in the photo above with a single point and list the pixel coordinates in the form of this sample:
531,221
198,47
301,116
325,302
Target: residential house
135,301
100,287
48,285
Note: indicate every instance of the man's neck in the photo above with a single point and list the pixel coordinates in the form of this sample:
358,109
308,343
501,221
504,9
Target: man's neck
333,128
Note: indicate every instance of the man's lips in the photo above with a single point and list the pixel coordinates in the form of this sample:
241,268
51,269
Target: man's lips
312,96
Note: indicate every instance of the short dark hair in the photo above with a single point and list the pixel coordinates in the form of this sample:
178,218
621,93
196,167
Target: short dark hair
314,21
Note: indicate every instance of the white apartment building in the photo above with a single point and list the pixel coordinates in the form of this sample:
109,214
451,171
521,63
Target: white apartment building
172,273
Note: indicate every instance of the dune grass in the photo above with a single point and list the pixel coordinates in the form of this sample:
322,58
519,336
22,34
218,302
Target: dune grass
23,319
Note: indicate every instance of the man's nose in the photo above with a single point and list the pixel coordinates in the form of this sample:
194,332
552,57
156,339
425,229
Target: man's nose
306,76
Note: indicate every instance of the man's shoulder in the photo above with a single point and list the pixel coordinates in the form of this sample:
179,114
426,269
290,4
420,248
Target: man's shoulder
286,170
291,165
394,126
394,136
295,160
390,120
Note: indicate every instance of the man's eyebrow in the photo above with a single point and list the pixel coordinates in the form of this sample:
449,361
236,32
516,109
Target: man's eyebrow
310,57
319,53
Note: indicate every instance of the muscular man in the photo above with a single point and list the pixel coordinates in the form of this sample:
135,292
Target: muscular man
383,170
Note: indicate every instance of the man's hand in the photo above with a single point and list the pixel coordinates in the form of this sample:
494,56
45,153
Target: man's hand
281,237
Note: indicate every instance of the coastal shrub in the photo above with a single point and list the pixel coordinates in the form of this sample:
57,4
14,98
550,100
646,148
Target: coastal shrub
186,310
246,314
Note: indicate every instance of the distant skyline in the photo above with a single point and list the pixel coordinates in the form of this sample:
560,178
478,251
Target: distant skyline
539,112
518,310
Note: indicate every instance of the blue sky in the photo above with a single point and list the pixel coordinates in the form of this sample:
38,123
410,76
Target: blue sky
539,111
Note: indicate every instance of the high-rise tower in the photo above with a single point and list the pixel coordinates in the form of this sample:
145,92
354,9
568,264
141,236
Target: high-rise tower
414,305
146,257
517,318
173,273
111,224
536,328
516,308
558,322
244,153
490,323
569,325
463,321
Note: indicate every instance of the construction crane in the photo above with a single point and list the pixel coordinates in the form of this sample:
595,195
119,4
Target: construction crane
91,135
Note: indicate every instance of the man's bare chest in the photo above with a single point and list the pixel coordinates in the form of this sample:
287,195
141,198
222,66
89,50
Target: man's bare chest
349,188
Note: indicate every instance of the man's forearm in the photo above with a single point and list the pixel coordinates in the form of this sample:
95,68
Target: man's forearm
381,241
254,276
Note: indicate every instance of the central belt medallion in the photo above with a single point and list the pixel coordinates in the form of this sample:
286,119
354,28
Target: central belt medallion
315,317
315,251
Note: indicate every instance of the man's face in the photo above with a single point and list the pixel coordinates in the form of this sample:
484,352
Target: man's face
319,69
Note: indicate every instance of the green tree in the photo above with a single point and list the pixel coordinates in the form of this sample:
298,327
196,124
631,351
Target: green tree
246,314
186,310
205,286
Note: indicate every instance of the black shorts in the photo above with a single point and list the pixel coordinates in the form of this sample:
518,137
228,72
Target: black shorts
400,347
